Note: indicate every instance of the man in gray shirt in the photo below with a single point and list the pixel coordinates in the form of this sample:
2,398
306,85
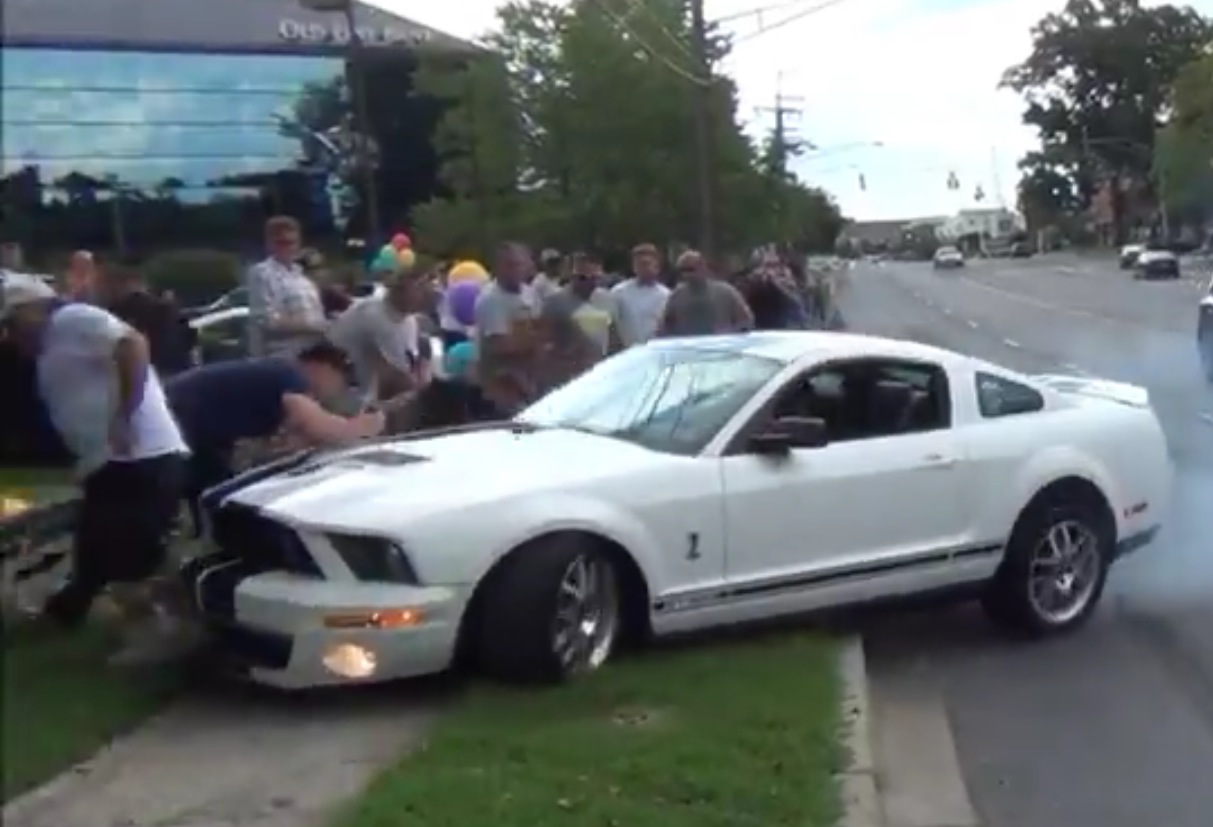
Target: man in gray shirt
702,305
507,336
381,336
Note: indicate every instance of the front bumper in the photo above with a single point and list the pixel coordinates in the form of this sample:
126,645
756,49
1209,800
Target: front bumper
279,629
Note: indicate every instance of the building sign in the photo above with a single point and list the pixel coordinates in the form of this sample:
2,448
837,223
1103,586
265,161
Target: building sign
337,34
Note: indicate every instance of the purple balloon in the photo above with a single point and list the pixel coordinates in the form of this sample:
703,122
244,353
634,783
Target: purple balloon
461,299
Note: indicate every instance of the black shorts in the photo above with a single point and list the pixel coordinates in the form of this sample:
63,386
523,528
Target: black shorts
126,516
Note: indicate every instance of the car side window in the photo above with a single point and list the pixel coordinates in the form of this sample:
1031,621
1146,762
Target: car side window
999,397
869,399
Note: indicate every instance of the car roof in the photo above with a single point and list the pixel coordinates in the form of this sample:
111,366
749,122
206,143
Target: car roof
793,345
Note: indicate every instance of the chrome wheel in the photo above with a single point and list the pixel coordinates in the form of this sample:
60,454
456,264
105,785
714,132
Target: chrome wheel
587,614
1064,572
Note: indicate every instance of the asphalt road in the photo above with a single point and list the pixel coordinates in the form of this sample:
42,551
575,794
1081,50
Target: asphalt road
1113,726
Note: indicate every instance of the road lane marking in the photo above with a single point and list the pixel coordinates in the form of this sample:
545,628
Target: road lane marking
972,324
1028,300
1011,343
1206,418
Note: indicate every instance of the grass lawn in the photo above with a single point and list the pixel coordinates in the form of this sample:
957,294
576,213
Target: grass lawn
731,735
62,703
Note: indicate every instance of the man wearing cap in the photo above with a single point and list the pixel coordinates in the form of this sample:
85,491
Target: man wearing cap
702,304
110,410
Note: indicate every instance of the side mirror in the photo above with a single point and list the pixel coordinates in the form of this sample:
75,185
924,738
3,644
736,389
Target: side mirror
788,433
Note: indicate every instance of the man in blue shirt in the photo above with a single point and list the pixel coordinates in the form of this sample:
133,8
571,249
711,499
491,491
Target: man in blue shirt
218,405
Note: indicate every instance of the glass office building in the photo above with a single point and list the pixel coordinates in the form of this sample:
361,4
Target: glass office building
172,129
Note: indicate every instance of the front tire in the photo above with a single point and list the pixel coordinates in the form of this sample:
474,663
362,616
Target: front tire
553,611
1055,568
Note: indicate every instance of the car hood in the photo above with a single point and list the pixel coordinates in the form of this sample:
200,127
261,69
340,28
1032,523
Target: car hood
368,485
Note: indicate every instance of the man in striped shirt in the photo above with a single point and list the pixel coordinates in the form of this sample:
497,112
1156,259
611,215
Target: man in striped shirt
287,313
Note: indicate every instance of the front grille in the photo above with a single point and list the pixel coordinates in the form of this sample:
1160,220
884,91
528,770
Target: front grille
212,580
263,544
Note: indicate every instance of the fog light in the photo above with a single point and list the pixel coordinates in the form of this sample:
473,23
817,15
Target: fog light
349,660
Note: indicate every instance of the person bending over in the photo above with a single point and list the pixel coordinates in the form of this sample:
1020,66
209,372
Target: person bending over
220,404
104,399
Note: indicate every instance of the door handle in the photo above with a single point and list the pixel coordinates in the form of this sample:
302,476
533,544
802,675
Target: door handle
941,461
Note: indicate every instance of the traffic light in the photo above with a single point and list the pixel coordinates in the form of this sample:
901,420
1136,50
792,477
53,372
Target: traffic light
863,183
953,181
979,195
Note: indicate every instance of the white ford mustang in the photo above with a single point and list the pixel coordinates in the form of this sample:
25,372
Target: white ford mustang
684,484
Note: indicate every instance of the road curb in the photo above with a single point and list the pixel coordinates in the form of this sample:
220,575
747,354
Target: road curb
857,783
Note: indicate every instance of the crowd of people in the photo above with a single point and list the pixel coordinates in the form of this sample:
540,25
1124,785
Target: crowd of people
148,430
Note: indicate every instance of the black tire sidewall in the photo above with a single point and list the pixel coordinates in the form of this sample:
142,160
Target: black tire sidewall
1009,601
514,633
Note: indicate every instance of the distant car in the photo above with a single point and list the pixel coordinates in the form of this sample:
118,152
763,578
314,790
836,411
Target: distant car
361,565
1156,262
948,258
1021,249
220,335
1204,332
236,297
223,334
1129,255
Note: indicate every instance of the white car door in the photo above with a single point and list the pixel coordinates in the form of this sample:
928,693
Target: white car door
866,503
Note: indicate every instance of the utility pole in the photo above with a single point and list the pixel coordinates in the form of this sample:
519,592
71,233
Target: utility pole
704,145
785,109
783,147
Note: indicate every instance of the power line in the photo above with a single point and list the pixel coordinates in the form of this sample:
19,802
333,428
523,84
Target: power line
675,40
758,11
779,24
623,26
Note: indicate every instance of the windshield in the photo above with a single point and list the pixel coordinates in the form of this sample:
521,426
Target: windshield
664,398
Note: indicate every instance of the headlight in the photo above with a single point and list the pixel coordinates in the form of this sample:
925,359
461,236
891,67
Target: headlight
374,559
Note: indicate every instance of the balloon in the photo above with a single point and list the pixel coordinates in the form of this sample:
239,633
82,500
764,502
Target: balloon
405,259
467,271
458,360
386,261
400,241
461,299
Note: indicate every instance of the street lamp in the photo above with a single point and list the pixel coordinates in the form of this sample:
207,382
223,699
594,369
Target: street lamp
356,80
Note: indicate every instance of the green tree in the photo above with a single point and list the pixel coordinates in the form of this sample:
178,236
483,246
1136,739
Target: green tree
1097,84
1048,195
1183,158
575,130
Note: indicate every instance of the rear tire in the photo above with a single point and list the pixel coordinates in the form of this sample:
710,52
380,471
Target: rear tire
531,629
1034,597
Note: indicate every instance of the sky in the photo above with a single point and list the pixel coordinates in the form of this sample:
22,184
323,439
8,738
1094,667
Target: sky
896,94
